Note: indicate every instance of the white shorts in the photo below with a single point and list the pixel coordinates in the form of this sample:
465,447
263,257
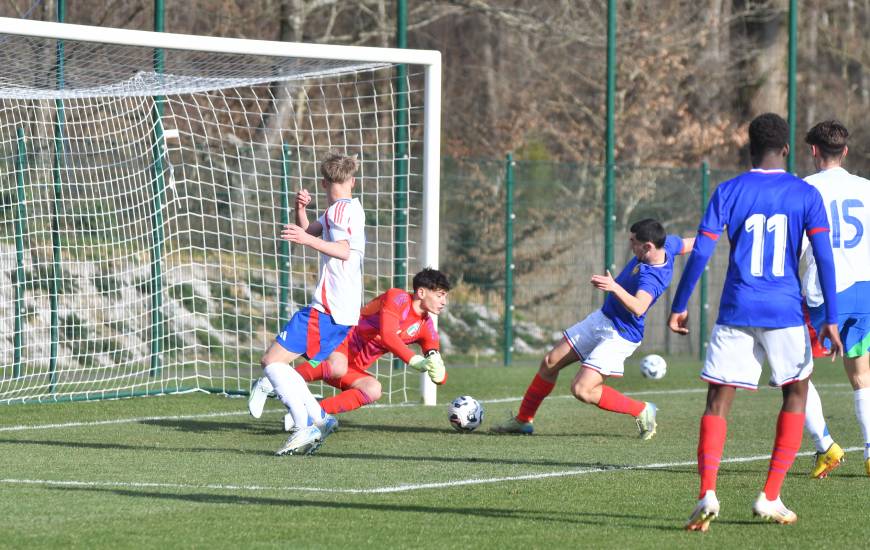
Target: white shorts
599,346
735,355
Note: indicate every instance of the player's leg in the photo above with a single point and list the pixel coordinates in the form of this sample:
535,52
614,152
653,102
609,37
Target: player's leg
829,455
335,366
733,361
858,371
359,388
791,365
562,355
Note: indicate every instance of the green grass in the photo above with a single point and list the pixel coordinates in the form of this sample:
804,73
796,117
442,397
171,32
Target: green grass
178,475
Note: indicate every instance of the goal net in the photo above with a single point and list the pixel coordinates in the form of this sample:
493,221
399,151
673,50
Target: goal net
147,177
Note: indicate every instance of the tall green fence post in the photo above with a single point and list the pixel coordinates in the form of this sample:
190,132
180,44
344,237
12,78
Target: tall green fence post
284,253
509,217
21,219
157,188
57,274
792,80
400,163
703,306
609,193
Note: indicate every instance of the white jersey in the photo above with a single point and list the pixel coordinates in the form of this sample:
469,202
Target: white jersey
339,291
847,204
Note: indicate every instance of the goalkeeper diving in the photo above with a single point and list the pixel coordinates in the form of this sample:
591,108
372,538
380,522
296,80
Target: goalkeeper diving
388,323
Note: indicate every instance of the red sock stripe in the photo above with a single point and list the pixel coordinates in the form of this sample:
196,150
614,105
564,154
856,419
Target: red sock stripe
711,443
789,431
538,390
614,401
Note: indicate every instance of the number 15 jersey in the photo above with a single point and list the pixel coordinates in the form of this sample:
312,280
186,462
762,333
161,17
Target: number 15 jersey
766,213
847,205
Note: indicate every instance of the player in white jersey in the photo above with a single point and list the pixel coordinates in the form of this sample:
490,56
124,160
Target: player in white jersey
847,204
315,331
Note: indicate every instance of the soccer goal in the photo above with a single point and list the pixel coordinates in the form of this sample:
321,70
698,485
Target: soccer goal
146,179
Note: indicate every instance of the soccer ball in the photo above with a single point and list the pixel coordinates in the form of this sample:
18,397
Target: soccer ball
465,413
653,367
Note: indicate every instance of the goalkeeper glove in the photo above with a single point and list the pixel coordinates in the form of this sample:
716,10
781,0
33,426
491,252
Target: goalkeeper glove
418,363
435,367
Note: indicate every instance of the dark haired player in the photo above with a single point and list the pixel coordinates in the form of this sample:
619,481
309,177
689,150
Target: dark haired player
388,323
607,337
846,198
766,212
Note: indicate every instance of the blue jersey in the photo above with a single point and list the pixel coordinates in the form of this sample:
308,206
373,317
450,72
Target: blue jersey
766,213
652,279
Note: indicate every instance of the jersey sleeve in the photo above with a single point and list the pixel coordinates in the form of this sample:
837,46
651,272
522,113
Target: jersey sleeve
428,338
715,218
391,313
815,217
674,245
343,220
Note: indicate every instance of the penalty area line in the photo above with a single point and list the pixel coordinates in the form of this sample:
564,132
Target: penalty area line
380,490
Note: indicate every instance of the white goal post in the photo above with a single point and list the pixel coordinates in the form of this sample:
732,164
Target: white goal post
147,178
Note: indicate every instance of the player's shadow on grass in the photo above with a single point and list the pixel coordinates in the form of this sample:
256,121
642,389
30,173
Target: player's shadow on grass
211,426
121,447
354,426
551,516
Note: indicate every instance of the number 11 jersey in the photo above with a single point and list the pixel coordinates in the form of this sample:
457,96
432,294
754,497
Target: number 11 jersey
766,213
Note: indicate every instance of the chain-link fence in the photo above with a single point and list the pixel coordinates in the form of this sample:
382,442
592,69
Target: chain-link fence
558,243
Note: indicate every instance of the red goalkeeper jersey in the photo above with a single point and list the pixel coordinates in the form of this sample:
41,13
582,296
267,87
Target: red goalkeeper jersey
388,324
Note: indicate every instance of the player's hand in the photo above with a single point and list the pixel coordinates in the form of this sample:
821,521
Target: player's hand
303,197
435,367
418,363
832,332
679,322
604,282
295,234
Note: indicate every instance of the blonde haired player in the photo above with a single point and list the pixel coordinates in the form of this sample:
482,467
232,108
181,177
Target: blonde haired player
847,204
315,331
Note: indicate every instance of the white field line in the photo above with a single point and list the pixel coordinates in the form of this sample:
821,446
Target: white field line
382,490
25,427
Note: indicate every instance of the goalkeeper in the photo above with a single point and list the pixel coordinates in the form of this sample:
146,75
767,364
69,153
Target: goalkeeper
388,323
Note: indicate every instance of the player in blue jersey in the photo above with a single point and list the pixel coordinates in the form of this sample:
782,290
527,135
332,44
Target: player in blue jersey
846,198
766,213
608,336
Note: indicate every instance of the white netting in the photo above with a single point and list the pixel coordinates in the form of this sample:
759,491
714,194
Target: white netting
142,235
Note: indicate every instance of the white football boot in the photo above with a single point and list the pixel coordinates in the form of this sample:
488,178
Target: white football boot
302,441
259,393
705,511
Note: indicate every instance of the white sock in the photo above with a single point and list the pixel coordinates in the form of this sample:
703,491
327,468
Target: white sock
814,421
286,387
862,411
313,409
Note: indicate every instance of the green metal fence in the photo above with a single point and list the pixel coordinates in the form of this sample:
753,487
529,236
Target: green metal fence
536,248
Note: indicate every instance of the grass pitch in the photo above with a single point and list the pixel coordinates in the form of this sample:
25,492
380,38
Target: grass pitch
197,471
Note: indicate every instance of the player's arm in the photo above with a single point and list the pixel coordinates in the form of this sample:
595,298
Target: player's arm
295,234
303,198
636,304
702,250
817,233
688,244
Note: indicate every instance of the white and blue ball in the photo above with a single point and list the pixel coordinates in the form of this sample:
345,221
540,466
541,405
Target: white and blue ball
653,367
465,413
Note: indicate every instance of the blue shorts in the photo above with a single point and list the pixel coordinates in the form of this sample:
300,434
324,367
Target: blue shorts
312,334
854,326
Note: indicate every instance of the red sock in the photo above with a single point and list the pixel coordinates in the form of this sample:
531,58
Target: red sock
789,431
311,373
535,394
612,400
711,443
345,401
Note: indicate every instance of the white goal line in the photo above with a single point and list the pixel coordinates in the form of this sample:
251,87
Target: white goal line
387,489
